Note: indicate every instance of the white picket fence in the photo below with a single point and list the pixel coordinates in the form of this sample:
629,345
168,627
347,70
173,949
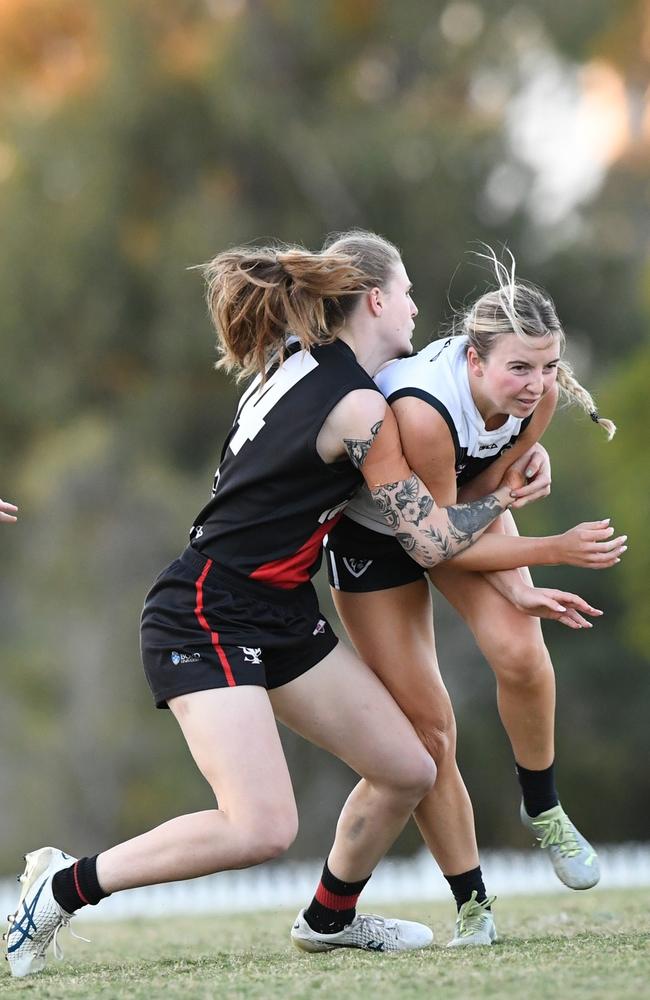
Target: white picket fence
291,884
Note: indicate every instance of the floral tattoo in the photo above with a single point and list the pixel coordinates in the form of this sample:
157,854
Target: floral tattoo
405,504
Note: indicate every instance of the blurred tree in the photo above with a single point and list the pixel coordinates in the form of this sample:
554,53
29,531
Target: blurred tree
136,140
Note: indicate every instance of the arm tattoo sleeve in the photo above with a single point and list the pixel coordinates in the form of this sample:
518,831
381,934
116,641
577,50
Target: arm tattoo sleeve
358,449
406,504
468,518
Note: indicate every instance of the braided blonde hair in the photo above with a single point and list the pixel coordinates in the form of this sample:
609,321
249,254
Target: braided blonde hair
518,307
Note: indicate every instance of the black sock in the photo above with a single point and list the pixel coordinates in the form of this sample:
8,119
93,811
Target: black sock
538,789
78,885
334,905
464,884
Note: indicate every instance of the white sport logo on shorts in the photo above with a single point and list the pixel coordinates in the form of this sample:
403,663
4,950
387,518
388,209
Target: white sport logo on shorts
357,566
251,655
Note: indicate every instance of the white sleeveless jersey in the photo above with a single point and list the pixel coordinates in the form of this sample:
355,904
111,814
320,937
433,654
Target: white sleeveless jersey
438,375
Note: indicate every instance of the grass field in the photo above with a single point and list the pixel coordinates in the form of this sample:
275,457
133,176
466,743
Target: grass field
571,946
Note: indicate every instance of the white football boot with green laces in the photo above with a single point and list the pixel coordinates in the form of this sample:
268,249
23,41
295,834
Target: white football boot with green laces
572,856
474,924
367,931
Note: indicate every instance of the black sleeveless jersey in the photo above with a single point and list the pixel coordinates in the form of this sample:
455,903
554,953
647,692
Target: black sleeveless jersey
274,499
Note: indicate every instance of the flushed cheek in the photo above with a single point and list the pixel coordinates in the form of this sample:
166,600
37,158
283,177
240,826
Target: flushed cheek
512,387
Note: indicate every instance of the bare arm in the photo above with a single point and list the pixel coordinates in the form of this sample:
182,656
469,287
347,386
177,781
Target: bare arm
430,453
529,437
540,602
367,431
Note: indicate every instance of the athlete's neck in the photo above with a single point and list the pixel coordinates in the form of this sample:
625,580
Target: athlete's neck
367,349
492,417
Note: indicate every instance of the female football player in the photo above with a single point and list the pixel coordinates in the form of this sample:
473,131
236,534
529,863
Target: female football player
232,634
466,405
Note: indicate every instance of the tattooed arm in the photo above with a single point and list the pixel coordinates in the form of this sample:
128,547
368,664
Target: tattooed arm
429,533
430,452
432,534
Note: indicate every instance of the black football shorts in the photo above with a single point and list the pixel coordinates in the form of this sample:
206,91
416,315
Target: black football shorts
204,627
360,560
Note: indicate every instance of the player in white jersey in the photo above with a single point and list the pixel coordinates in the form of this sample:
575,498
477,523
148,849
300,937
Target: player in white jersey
465,406
438,376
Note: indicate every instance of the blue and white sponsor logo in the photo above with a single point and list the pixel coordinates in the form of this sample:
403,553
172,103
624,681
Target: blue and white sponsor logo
178,658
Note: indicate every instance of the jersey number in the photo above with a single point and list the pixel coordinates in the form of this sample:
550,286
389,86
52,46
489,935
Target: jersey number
260,400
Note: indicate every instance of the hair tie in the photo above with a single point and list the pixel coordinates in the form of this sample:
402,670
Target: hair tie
595,416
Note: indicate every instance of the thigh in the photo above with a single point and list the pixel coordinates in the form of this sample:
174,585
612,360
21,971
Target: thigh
392,630
495,623
342,706
233,738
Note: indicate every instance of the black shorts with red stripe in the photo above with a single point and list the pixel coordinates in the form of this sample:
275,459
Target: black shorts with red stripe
205,627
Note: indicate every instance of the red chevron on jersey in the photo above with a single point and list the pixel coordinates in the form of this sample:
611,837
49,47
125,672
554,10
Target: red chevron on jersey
293,570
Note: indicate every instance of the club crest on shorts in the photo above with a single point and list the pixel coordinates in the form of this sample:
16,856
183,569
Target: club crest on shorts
251,655
356,566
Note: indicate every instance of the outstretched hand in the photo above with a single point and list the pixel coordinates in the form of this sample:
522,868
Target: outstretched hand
558,605
590,545
8,511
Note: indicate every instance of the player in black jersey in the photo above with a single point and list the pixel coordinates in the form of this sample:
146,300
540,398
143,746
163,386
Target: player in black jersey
8,511
231,631
506,370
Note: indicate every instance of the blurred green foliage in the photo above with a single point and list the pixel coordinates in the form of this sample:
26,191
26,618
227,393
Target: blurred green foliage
136,140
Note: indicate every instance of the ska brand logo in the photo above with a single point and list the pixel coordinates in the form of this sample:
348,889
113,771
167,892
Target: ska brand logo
251,655
320,627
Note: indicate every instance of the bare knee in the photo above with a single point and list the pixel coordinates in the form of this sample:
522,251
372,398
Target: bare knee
436,726
438,736
521,661
268,838
413,778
